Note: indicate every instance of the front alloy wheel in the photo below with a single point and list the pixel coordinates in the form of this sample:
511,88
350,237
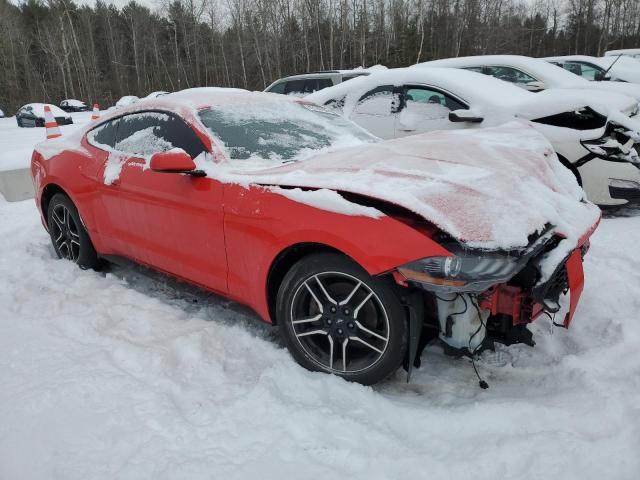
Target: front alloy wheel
336,318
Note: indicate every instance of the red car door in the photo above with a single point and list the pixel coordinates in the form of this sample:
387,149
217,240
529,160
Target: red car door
170,221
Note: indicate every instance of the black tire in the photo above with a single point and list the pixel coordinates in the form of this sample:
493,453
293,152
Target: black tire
69,237
372,336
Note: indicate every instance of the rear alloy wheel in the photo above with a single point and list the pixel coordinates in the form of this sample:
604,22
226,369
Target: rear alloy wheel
69,237
336,318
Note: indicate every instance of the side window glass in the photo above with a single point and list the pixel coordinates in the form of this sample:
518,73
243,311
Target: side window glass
509,74
294,87
574,68
587,71
180,135
147,133
381,101
278,87
429,103
324,83
104,135
350,77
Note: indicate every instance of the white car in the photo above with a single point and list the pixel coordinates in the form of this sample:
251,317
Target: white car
533,74
618,69
592,137
306,83
127,100
156,94
627,52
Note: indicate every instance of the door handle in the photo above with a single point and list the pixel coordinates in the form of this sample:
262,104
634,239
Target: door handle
407,129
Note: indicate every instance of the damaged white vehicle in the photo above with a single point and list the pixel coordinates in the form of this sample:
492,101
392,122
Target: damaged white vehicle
591,135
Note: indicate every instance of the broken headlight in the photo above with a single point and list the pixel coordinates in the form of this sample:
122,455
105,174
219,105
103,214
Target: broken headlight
462,272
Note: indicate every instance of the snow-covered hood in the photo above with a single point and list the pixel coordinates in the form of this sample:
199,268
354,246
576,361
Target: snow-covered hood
489,188
630,89
554,100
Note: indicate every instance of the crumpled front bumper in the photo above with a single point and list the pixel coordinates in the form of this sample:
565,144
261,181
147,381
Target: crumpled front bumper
524,304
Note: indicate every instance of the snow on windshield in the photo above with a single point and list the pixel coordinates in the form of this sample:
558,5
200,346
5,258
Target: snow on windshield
276,132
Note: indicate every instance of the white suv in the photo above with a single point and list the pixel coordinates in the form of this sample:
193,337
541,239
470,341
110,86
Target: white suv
306,83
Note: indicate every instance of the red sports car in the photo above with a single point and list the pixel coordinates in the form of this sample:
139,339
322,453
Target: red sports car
357,249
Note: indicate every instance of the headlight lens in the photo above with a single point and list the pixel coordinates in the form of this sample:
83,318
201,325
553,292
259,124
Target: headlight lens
461,272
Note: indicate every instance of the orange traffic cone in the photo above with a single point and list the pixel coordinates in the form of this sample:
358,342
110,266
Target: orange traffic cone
50,124
96,112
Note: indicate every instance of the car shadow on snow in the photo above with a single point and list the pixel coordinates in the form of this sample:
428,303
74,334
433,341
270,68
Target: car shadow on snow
189,298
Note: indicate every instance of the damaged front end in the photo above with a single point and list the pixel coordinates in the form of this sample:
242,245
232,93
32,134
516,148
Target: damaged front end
617,144
476,297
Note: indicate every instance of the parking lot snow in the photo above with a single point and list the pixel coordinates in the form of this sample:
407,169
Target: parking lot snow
126,374
16,144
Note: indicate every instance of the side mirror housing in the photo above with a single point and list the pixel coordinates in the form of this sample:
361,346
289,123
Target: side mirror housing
465,116
535,86
174,161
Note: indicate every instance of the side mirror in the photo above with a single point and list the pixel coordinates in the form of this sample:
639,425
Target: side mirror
465,116
599,76
174,161
534,86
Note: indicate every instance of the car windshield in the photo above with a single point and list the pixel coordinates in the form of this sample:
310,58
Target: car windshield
277,132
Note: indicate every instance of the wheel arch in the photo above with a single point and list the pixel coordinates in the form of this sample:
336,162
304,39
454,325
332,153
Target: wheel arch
47,194
283,262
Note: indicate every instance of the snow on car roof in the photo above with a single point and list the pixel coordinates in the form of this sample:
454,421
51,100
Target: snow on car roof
75,103
38,109
624,51
475,89
551,75
626,68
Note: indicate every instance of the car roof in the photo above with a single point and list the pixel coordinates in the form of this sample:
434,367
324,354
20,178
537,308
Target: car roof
579,58
552,75
624,51
187,102
322,74
471,87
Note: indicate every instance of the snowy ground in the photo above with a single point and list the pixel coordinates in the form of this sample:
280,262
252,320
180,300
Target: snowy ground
129,375
124,375
16,144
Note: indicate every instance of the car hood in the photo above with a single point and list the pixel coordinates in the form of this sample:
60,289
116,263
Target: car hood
490,188
630,89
